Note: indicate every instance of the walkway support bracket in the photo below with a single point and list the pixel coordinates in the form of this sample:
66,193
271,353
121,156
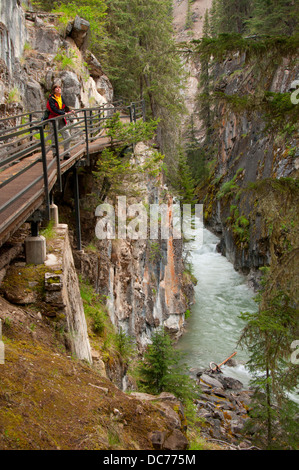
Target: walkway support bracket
77,208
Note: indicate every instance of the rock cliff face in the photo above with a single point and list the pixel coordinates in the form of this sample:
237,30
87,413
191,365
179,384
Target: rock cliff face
253,188
66,293
34,54
144,279
247,200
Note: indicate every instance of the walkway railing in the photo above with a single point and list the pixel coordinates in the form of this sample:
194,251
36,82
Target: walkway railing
25,143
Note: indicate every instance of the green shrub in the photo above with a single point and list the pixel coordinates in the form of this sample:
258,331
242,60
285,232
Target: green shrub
93,307
229,186
161,369
13,96
124,344
65,59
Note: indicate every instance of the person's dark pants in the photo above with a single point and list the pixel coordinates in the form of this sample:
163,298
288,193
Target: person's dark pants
64,132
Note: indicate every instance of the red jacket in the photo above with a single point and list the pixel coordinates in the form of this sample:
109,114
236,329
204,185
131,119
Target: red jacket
53,108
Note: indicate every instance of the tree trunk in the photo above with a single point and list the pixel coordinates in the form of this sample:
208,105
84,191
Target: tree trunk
269,419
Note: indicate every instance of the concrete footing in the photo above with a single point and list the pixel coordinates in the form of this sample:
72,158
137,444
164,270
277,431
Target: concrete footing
54,214
35,250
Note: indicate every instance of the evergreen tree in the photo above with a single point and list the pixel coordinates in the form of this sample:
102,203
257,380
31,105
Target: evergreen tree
205,105
268,336
142,61
229,16
260,17
274,17
161,369
195,156
184,183
197,152
115,171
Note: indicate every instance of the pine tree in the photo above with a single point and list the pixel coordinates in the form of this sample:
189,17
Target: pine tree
195,155
205,112
267,337
260,17
229,16
162,371
184,183
274,17
115,172
142,61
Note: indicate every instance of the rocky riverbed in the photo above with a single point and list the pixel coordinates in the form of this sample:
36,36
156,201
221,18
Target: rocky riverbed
223,405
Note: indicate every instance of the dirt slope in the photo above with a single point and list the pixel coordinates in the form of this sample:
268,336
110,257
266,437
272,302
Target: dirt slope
49,400
197,12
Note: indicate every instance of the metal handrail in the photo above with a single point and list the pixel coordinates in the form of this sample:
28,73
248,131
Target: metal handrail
111,105
30,138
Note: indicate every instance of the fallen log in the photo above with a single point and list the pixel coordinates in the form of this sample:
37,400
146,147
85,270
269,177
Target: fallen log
222,363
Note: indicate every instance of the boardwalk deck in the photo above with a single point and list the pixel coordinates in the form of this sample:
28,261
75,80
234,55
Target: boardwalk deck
26,178
18,212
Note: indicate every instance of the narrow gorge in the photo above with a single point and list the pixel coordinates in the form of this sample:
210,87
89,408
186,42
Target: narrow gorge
78,327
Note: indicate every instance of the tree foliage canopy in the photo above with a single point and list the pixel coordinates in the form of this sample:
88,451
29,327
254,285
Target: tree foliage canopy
142,61
260,17
161,369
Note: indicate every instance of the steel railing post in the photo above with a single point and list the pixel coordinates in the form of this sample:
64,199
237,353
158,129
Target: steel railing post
90,124
86,136
30,120
55,133
100,118
45,170
131,113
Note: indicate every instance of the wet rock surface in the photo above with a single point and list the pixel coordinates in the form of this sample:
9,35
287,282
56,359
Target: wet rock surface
223,405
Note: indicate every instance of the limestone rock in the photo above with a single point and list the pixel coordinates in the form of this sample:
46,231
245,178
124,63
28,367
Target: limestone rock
21,298
46,40
104,88
90,95
225,409
34,95
167,411
55,298
98,363
94,65
71,89
231,383
79,32
211,381
176,441
12,32
237,426
157,438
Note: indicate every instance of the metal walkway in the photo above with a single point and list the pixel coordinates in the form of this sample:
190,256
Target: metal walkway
28,168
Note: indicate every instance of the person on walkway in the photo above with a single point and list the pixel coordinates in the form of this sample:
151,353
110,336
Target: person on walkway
57,107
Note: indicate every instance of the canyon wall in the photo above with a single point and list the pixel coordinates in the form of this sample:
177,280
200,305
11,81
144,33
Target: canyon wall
253,191
13,35
36,51
250,150
144,281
